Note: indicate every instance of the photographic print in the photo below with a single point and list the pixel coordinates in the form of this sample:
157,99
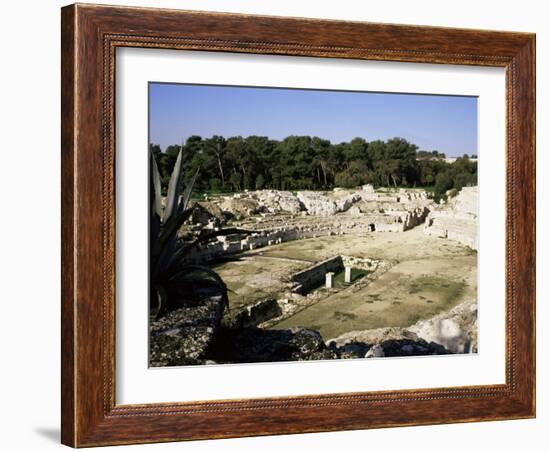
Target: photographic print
295,224
273,225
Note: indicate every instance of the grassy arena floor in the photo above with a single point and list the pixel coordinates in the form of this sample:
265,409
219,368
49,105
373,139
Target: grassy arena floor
430,275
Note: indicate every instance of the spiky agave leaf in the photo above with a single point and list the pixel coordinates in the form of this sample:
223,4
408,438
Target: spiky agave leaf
187,286
173,194
189,269
162,301
156,186
187,192
173,278
166,246
154,216
167,237
200,274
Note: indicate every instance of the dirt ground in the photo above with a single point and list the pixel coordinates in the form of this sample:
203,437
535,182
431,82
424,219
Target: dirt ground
255,276
428,276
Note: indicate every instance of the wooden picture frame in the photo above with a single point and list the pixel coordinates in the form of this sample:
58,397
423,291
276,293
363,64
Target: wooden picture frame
90,36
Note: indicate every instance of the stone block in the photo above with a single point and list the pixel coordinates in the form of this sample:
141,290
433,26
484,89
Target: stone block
329,280
347,275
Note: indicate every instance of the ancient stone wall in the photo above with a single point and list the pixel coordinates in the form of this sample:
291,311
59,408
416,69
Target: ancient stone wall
276,230
281,216
309,278
274,201
457,219
318,203
252,315
363,263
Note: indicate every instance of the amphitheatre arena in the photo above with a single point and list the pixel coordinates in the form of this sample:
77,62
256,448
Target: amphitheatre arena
342,274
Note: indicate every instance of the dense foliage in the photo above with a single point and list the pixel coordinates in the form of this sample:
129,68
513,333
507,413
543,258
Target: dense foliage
312,163
174,281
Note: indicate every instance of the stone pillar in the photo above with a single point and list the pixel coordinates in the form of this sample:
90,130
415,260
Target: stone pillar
329,280
347,275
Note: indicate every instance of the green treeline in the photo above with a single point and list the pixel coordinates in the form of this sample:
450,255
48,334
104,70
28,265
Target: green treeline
312,163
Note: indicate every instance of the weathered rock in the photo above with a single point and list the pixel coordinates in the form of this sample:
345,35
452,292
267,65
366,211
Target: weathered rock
252,315
355,211
455,329
409,347
457,219
316,203
192,335
376,351
373,336
351,350
251,345
206,212
343,204
388,348
276,201
240,206
185,335
392,345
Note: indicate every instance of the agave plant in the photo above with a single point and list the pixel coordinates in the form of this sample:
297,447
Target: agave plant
174,280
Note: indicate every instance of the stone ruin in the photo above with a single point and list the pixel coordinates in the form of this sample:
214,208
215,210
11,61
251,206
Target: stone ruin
454,331
302,289
457,219
311,277
276,216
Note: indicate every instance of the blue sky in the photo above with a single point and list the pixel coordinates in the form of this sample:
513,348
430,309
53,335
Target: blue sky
445,123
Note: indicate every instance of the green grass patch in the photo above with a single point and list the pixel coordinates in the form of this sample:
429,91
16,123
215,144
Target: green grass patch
356,275
413,318
445,289
344,316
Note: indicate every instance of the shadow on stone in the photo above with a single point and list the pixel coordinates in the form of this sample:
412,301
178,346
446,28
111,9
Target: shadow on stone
251,345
